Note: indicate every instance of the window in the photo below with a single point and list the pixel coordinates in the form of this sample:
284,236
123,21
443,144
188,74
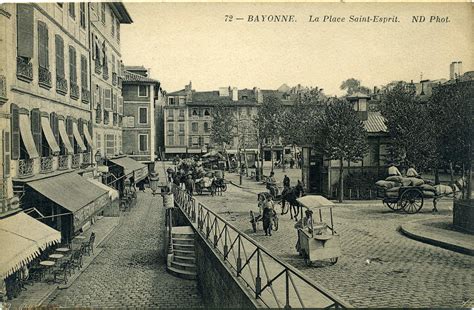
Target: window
36,129
107,99
59,56
170,113
43,53
112,22
142,115
181,140
114,103
98,141
245,97
142,91
113,64
194,127
102,17
118,30
143,142
60,4
82,14
6,154
109,145
170,140
195,113
206,127
171,101
25,25
195,140
181,100
170,127
206,113
72,10
206,140
181,113
72,65
15,132
84,72
181,128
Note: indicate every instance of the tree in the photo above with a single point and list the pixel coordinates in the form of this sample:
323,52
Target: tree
353,86
343,136
267,124
223,125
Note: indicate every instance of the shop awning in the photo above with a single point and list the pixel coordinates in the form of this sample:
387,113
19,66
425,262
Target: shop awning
65,137
113,193
21,239
27,136
77,136
69,190
88,136
131,166
48,133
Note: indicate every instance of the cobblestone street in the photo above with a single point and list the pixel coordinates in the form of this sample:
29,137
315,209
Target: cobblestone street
131,271
379,266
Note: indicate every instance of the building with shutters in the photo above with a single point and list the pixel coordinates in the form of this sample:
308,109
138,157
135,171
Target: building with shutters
143,100
107,75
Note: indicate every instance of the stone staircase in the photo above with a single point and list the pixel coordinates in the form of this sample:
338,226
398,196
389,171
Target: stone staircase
182,260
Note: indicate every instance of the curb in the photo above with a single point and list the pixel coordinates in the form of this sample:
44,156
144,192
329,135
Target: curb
405,229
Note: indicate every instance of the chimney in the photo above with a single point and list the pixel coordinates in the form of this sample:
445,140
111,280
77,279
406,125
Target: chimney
188,89
460,68
259,95
235,94
454,70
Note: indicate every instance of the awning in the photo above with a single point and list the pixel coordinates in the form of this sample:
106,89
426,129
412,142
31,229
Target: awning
48,133
77,136
74,193
131,166
27,136
21,238
113,193
88,136
65,137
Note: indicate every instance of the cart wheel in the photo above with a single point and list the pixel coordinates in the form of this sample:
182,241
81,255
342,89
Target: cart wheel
224,187
412,201
333,260
307,261
395,206
275,223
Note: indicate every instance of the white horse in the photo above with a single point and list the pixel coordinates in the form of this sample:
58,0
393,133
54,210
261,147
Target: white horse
453,191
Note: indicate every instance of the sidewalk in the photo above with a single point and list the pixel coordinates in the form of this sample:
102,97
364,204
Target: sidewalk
37,293
439,232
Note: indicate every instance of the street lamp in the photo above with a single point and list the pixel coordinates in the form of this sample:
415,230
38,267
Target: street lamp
97,157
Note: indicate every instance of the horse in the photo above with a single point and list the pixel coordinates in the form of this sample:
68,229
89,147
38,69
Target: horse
290,194
454,190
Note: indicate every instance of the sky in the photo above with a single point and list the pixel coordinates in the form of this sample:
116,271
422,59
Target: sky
182,42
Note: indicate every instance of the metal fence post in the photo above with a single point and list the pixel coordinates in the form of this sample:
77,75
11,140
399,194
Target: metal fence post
239,259
258,280
287,290
226,248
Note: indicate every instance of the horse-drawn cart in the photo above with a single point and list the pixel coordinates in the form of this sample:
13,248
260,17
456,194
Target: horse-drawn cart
410,199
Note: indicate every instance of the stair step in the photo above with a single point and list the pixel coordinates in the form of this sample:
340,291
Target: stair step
186,247
183,266
184,253
184,259
182,236
190,275
182,241
182,230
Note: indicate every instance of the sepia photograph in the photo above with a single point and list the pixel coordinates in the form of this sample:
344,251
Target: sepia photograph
236,155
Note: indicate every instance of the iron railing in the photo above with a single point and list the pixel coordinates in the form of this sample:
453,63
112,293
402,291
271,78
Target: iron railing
86,158
85,95
61,85
46,164
44,77
24,69
3,89
74,90
63,162
76,160
25,167
272,281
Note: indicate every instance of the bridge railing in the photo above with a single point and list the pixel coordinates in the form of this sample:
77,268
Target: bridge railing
272,281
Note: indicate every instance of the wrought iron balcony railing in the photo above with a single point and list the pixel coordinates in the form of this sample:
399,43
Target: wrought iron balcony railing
46,164
3,89
85,95
25,168
63,162
74,90
44,77
114,78
86,158
76,160
61,85
24,69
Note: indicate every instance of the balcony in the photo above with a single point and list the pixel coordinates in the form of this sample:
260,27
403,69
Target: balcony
86,159
46,164
3,89
114,78
98,66
63,162
105,73
61,85
74,90
44,77
76,161
25,168
85,95
24,69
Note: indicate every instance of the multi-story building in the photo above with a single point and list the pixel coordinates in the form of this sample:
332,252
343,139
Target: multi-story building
141,95
107,75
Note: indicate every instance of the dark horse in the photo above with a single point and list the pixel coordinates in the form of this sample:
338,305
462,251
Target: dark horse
290,195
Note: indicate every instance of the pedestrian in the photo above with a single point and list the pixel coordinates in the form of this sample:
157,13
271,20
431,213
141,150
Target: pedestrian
300,161
132,183
271,184
189,185
411,172
292,162
286,182
268,214
154,178
393,170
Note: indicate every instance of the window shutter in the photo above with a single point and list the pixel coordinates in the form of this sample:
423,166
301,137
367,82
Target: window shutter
6,154
69,130
25,30
53,119
72,65
120,106
59,56
84,72
190,141
15,125
43,45
114,103
107,99
36,129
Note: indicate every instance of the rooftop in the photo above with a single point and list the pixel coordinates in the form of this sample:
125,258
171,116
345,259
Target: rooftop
130,77
375,123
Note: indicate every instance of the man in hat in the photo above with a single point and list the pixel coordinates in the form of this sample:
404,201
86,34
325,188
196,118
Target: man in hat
189,185
393,170
305,222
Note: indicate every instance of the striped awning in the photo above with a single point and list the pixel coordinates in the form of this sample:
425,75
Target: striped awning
65,137
27,136
21,239
77,136
48,133
88,136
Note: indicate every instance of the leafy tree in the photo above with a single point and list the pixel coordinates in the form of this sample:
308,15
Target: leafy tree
223,125
353,86
343,136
